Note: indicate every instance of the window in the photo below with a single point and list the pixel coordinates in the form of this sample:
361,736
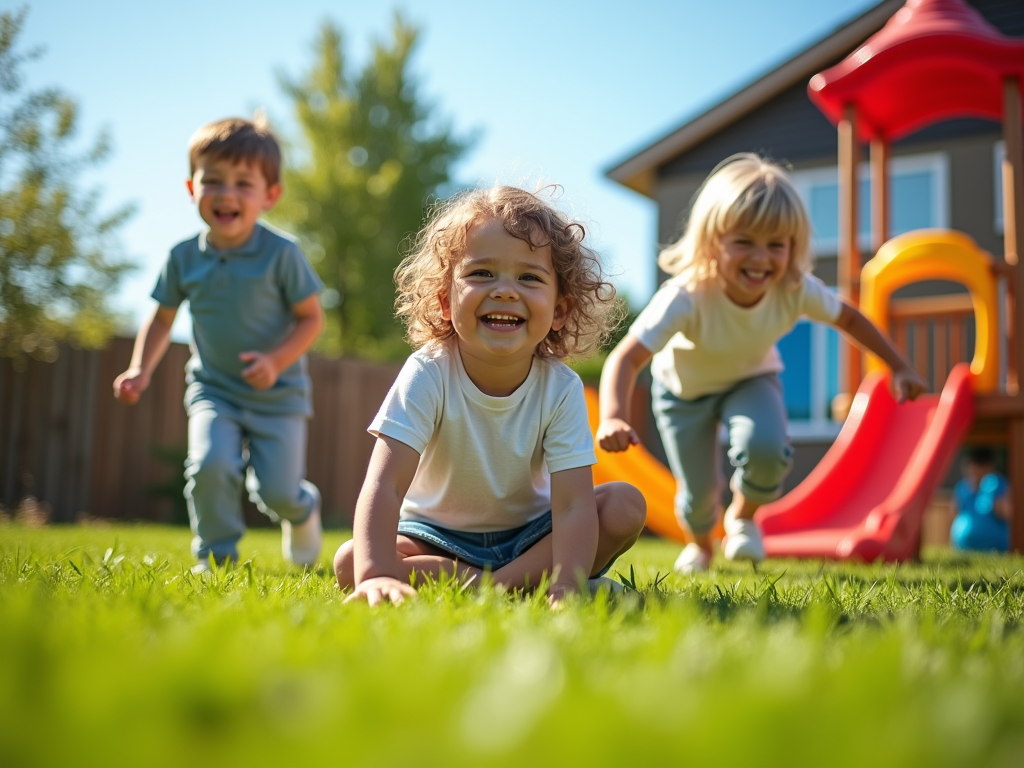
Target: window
810,380
918,187
918,199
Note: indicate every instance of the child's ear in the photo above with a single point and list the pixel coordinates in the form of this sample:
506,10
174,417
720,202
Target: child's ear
273,195
563,307
446,306
191,189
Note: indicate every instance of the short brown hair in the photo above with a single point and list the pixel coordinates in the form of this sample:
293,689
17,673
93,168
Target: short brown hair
427,272
238,140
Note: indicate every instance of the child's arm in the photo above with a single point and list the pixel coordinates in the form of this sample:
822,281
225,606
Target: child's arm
573,530
150,345
905,381
618,378
392,467
1003,506
265,367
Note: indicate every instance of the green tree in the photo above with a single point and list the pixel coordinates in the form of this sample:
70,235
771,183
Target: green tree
372,155
56,269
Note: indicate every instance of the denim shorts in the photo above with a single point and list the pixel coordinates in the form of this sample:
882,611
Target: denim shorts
483,550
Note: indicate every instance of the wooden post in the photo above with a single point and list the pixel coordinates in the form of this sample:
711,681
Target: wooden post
849,249
879,193
1013,231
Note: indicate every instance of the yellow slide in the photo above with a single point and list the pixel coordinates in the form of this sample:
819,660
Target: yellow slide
641,469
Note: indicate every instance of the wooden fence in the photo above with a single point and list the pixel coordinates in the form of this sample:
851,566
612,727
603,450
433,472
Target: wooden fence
66,442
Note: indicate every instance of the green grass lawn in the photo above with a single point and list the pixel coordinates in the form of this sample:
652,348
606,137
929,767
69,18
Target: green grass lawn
112,653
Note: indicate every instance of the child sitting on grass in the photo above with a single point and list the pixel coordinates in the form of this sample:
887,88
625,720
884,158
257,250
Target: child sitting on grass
483,454
981,505
740,281
255,312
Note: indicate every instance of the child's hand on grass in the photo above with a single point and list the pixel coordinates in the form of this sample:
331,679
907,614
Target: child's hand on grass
907,384
380,589
129,386
261,373
615,435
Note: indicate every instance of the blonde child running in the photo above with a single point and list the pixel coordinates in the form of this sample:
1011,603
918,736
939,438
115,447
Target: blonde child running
740,281
483,450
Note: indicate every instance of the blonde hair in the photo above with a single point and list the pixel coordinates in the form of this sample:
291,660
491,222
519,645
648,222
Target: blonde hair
744,192
427,271
238,141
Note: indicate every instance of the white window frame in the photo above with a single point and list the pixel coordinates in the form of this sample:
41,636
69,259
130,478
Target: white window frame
935,162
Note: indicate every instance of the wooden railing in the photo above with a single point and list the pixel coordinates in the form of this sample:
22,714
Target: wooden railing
934,333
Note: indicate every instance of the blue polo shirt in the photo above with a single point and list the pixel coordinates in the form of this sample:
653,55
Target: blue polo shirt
241,300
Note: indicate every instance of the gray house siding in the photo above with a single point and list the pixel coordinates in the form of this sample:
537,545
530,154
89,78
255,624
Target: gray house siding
1005,15
788,128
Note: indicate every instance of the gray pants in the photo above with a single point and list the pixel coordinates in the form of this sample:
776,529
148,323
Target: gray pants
273,469
755,415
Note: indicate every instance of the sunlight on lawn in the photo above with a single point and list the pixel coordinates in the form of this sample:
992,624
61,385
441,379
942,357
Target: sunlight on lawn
112,652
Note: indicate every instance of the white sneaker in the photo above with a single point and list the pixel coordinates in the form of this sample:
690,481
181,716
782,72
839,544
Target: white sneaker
603,582
693,559
206,564
300,544
742,540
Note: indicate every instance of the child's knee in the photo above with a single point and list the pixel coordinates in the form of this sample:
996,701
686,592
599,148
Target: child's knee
767,450
214,468
764,461
285,505
622,511
344,566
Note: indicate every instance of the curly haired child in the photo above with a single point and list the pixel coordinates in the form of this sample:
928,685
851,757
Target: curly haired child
483,454
740,281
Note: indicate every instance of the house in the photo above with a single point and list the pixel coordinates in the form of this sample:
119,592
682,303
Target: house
942,176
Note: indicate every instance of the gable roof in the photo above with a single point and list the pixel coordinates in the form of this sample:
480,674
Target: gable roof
638,172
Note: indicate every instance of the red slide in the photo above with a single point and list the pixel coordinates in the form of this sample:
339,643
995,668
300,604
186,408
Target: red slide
866,498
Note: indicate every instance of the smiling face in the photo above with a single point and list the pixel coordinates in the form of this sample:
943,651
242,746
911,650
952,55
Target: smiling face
230,196
750,264
504,301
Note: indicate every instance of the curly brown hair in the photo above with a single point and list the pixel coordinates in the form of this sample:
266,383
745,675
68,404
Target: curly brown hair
427,271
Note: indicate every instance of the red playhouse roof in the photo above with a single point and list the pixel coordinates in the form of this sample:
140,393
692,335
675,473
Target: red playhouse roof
933,60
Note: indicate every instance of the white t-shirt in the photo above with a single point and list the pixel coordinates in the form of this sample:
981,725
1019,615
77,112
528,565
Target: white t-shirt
704,343
485,462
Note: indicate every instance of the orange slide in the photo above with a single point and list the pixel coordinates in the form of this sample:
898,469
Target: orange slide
640,468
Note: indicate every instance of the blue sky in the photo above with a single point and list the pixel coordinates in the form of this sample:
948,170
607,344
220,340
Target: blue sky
557,90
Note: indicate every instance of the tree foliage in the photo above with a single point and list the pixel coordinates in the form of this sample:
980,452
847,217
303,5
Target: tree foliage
56,269
372,155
